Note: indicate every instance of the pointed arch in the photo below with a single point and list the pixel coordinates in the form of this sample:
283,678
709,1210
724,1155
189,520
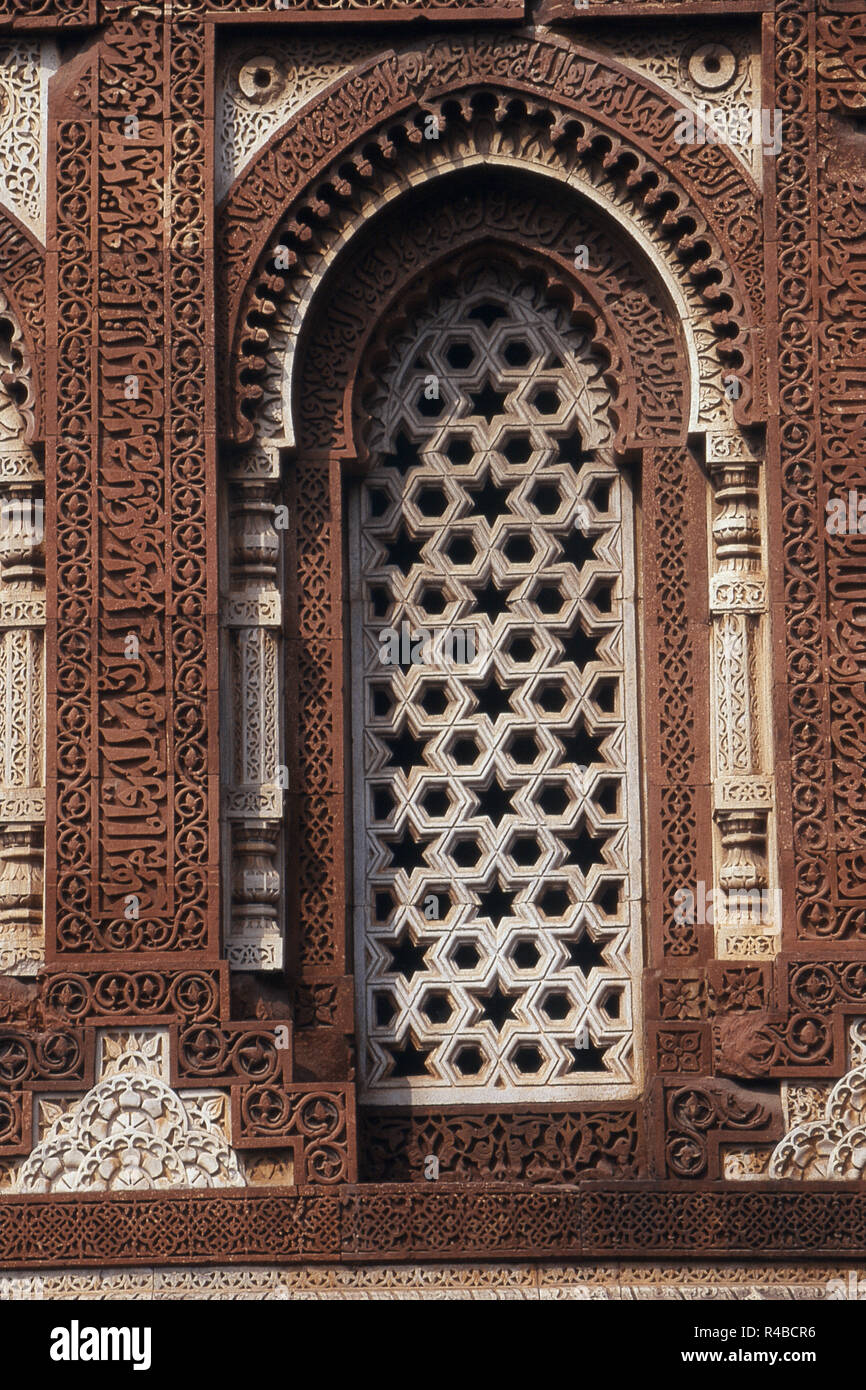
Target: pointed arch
337,226
576,117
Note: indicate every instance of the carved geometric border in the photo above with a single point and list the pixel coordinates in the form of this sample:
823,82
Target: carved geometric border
562,11
403,1222
313,11
532,1281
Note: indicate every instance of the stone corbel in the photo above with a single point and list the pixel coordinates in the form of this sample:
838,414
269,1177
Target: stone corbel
22,704
746,917
253,781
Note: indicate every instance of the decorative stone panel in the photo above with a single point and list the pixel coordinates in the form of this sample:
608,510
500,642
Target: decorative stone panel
26,67
254,781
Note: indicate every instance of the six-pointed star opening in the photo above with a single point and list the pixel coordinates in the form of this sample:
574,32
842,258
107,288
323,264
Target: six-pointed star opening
491,600
403,550
497,1006
488,402
584,954
496,902
405,750
404,454
577,547
489,499
495,803
407,851
407,956
584,848
581,747
493,699
589,1058
409,1058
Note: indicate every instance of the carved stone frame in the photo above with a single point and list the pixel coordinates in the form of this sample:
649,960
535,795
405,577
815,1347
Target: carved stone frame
733,1016
681,667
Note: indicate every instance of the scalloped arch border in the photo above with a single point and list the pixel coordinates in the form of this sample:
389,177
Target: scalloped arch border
356,129
23,286
633,431
578,294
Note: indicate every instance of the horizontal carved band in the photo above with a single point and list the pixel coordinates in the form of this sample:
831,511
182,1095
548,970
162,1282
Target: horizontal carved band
259,464
730,447
264,954
428,1219
741,791
254,803
256,610
24,958
19,465
22,805
745,595
22,612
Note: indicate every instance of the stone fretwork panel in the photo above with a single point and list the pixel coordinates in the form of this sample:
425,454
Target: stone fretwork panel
494,738
25,70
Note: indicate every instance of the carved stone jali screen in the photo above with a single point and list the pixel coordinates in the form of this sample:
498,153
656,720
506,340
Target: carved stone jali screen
432,663
503,928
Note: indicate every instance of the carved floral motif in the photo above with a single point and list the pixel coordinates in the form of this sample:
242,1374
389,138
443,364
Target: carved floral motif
131,1131
25,69
827,1134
